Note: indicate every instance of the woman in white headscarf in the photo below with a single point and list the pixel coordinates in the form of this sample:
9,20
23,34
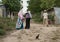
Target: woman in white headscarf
19,24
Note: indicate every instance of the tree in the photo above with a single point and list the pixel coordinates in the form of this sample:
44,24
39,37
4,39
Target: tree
57,3
34,6
47,4
38,5
12,5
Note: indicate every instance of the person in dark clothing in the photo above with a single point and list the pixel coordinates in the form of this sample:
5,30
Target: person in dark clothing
28,17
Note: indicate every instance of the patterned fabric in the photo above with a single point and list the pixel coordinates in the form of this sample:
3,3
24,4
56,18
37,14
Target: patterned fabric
19,24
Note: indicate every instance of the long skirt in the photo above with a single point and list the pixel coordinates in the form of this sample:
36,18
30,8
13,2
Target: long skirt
19,24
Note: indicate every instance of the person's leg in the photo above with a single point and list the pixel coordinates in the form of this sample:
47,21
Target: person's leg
28,23
43,21
46,22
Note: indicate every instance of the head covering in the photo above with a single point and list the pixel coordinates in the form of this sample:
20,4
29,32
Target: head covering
45,10
20,14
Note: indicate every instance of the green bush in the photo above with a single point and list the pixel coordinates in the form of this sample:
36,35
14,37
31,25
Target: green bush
1,26
38,20
37,17
6,24
2,32
51,17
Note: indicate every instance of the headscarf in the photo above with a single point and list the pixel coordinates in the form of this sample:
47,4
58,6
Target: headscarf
20,14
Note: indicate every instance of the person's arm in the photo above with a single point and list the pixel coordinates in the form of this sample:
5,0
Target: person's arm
30,15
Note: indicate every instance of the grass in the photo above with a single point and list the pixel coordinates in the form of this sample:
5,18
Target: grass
6,24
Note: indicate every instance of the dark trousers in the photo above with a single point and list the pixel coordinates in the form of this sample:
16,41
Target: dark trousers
27,23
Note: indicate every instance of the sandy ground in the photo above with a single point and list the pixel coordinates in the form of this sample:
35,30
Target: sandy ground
46,34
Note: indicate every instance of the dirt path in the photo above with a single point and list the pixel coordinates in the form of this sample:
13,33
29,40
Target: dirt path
47,34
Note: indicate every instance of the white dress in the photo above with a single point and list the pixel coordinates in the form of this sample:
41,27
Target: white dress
45,15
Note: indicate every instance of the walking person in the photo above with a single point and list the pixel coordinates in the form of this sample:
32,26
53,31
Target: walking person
20,20
45,18
28,18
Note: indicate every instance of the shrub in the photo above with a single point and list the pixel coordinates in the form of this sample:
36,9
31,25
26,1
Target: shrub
1,26
6,24
37,17
2,32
